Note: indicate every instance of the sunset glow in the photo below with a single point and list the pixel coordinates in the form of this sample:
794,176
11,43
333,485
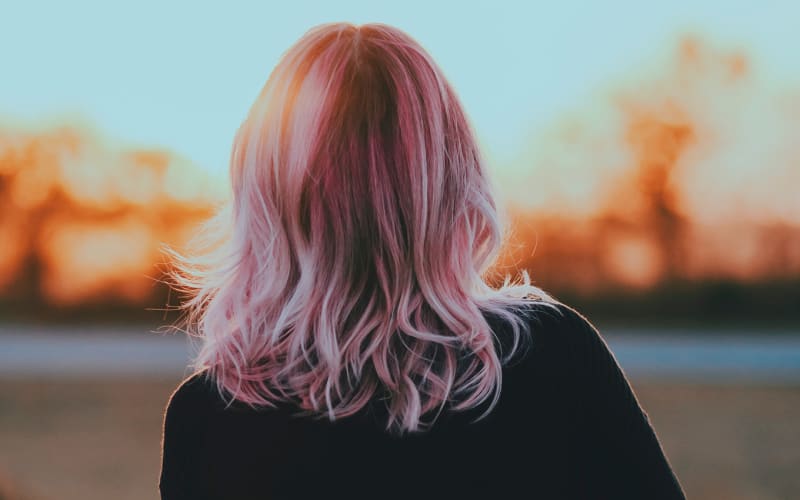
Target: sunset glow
84,216
685,167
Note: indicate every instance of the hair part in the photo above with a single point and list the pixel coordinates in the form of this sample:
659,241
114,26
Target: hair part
349,263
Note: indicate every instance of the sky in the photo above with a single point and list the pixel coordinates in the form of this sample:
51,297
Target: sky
182,75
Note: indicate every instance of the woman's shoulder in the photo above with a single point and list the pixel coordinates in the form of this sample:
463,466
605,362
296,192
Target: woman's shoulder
194,393
565,341
557,315
559,322
557,333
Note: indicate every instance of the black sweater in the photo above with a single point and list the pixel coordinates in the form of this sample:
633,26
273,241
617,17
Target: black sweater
567,425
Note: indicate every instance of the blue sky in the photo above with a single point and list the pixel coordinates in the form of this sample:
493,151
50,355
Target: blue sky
182,75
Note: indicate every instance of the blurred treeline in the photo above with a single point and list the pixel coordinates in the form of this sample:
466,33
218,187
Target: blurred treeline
658,207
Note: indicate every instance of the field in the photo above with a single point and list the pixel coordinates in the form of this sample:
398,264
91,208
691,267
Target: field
89,440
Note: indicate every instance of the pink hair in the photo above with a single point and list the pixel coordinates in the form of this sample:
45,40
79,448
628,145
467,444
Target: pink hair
349,263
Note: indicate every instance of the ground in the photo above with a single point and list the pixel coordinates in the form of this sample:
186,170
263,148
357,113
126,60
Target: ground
81,439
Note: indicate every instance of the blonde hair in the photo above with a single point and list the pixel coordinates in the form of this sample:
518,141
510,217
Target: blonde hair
349,263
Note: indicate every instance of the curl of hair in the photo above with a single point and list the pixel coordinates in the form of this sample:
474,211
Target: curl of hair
349,263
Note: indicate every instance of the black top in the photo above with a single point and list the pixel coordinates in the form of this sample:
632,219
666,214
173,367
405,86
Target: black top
567,425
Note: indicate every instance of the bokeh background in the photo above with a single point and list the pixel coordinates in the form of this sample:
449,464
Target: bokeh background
648,157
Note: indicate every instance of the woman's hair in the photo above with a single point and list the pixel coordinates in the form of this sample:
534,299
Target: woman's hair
349,262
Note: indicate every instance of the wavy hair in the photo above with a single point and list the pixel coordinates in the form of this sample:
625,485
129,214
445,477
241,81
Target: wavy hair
349,263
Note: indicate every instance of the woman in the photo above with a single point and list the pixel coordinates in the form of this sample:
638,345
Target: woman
350,347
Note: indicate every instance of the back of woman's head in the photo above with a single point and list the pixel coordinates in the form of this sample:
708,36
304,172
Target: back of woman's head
349,263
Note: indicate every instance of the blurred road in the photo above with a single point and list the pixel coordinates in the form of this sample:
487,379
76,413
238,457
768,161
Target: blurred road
693,355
